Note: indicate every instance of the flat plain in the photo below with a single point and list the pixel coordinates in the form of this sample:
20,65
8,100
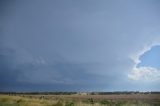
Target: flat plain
80,100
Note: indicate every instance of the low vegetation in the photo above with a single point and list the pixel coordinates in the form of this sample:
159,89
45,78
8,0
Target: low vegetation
78,100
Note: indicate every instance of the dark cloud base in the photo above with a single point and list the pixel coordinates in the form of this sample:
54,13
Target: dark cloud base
74,45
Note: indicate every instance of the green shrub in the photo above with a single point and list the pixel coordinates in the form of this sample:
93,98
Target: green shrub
120,103
104,102
19,101
69,104
89,101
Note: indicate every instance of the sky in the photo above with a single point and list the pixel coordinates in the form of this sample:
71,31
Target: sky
151,58
79,45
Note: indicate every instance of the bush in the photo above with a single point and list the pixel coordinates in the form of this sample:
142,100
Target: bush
69,104
89,101
105,102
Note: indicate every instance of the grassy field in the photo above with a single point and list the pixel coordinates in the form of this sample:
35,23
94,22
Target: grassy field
81,100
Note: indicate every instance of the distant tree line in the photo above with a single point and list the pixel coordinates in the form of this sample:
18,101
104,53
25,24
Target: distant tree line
79,93
122,92
40,93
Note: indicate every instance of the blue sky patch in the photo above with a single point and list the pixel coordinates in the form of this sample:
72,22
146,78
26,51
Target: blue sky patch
151,58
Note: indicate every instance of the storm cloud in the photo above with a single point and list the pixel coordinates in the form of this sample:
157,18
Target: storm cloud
75,45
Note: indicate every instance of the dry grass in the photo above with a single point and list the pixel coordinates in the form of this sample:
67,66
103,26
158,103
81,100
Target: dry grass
80,100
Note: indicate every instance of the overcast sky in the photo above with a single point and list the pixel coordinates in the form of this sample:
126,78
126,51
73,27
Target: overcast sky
79,45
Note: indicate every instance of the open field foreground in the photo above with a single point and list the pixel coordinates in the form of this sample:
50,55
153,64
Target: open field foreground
81,100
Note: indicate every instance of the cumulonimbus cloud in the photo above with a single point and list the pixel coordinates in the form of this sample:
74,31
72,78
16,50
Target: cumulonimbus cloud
144,73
